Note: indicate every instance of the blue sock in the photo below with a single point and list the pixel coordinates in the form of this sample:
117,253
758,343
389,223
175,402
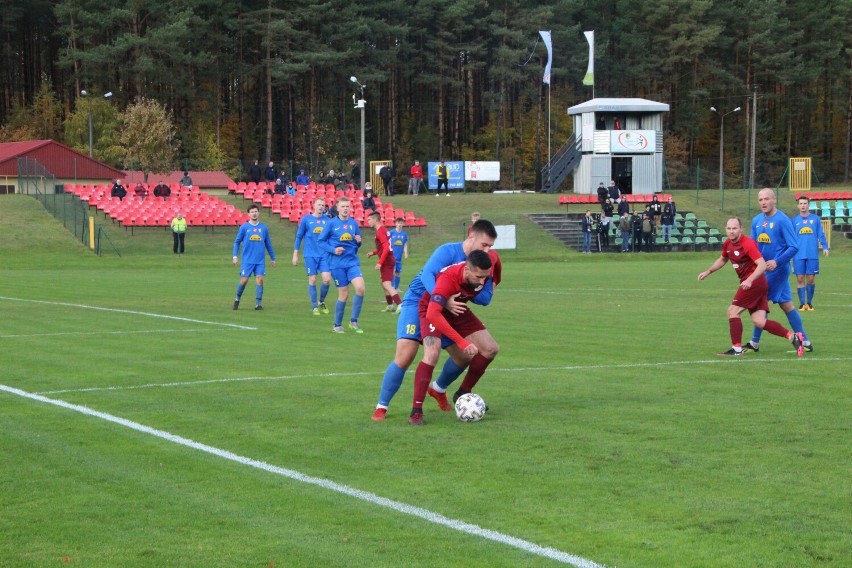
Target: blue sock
810,289
391,381
796,322
449,373
395,282
312,294
801,292
338,313
258,294
324,292
755,336
240,288
357,302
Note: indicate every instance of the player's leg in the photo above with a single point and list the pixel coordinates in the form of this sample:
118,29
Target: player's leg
312,291
735,326
453,367
342,284
800,288
794,319
407,345
258,290
810,285
326,285
487,346
760,320
423,376
358,301
245,272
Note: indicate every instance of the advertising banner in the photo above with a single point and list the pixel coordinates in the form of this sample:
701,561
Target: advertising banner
482,171
632,141
456,175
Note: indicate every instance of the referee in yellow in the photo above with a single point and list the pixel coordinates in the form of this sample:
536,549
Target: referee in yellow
178,232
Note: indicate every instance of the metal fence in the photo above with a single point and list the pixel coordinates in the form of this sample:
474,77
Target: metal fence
35,180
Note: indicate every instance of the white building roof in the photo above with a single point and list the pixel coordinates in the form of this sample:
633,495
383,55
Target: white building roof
618,105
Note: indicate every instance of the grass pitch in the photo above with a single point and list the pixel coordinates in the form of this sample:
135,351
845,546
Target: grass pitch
615,437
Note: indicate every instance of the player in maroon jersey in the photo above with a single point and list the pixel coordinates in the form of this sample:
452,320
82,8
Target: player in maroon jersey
751,295
460,283
386,262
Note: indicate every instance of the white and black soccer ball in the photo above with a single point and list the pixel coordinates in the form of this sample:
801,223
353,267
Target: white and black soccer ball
470,407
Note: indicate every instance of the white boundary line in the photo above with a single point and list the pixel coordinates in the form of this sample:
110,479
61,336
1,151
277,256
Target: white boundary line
15,336
367,496
727,361
133,312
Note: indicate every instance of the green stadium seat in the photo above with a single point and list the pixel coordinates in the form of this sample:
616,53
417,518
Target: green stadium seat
686,241
688,225
700,241
691,216
703,224
673,240
714,232
713,240
700,232
689,232
840,221
660,241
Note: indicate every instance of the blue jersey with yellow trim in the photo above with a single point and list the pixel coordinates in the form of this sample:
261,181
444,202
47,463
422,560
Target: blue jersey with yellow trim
340,233
775,237
444,256
310,228
809,235
397,241
255,241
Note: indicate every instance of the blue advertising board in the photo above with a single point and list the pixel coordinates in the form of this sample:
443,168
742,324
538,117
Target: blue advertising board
456,171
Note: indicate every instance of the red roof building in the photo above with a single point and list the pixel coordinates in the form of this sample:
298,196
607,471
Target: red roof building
48,164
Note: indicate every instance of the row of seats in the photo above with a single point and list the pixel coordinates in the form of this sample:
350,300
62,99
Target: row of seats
629,198
824,195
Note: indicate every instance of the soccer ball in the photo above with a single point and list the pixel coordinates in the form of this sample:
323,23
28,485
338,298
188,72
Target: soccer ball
470,407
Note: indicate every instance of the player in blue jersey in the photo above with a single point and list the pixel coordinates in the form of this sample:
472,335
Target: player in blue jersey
408,337
776,239
399,245
341,239
254,238
809,235
316,259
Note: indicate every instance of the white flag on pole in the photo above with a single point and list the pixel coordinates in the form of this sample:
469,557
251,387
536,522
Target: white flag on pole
589,79
545,36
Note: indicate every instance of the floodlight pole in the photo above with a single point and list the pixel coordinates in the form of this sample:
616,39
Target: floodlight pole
362,104
84,93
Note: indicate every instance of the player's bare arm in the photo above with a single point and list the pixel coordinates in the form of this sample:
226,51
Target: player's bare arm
719,263
454,307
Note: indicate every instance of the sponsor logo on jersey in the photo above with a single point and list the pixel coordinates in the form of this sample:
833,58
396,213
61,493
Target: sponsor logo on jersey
345,237
318,229
255,237
736,266
764,238
736,253
806,231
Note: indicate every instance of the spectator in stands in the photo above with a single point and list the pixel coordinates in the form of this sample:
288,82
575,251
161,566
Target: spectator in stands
587,225
302,178
162,190
648,232
386,173
356,173
602,193
670,206
280,187
186,181
178,233
283,174
254,171
321,177
636,225
118,190
415,179
269,172
140,191
667,221
332,211
368,202
623,207
656,209
613,191
624,227
604,221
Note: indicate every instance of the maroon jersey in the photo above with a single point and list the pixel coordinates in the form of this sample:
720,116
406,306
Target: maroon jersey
450,281
383,249
743,255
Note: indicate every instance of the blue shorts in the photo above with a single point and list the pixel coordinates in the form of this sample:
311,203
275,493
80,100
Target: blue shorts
806,266
408,325
247,270
316,265
779,284
343,276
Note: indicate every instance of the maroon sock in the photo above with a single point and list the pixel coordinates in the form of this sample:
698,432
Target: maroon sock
396,299
776,328
736,325
475,371
422,378
388,299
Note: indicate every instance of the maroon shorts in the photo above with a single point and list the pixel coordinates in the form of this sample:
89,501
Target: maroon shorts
386,272
465,324
755,298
